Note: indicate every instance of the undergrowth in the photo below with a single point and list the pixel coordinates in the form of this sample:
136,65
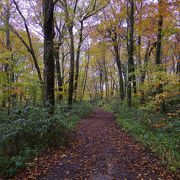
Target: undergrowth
157,132
27,131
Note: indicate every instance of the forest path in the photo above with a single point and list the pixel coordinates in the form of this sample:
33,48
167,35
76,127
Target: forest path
100,150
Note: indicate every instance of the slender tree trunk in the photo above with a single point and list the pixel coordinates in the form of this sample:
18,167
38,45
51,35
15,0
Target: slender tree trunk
101,83
139,49
71,71
143,73
125,75
70,23
159,88
106,80
139,55
77,60
178,71
146,60
118,63
85,76
134,83
146,57
112,86
58,73
30,46
140,35
62,65
177,56
130,52
159,35
48,8
8,67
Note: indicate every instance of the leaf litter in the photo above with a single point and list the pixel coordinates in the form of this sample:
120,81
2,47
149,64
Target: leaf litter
98,150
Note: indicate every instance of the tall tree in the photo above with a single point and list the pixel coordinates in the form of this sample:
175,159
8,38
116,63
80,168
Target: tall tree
69,18
130,12
59,40
118,63
29,45
111,28
49,64
92,8
8,46
159,34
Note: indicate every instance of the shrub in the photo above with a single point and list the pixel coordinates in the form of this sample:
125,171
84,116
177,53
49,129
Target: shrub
33,130
158,132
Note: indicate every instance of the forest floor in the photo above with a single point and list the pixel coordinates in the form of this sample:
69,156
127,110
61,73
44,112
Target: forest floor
98,150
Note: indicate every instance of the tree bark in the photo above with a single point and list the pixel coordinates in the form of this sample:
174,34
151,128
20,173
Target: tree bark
139,50
77,60
101,84
48,8
146,58
71,71
85,76
70,24
118,63
8,67
139,42
159,35
58,73
130,52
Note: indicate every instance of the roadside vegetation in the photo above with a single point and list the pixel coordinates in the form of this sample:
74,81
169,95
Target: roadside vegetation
156,131
28,131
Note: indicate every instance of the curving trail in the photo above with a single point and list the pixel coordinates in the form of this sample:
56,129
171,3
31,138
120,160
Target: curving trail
100,150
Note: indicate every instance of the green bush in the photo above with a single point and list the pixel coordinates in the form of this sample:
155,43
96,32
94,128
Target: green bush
24,134
158,132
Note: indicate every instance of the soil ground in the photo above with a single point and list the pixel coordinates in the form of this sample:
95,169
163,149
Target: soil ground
98,150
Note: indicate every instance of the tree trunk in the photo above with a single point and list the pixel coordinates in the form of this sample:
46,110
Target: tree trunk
58,73
139,50
139,34
146,57
118,63
159,35
101,83
71,71
130,52
106,80
85,76
8,67
48,8
77,60
30,46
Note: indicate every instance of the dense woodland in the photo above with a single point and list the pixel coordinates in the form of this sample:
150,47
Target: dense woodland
57,57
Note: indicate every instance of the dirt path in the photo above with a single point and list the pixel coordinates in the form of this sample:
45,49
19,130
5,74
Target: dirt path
100,150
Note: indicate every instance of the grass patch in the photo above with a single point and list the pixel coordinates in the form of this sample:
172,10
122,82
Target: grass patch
157,132
28,131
